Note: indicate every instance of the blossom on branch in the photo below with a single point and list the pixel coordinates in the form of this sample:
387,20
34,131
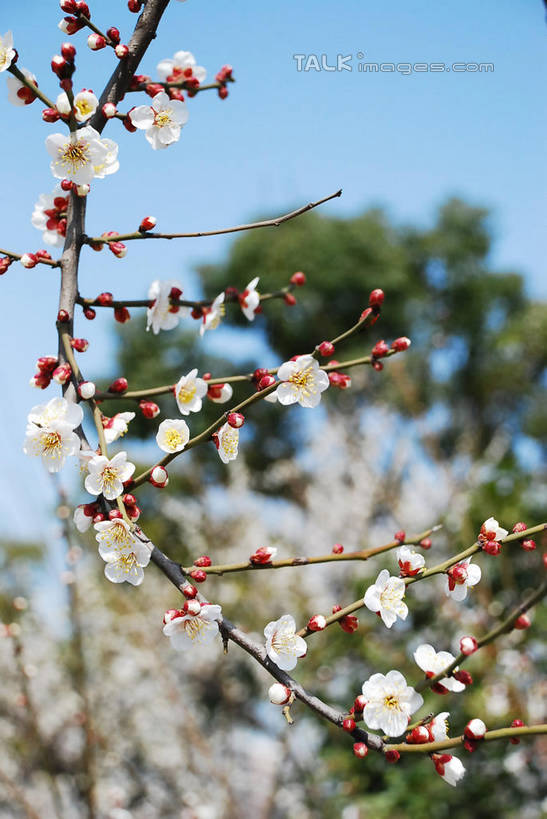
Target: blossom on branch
107,476
57,409
162,315
249,299
83,516
7,51
116,426
109,163
162,121
433,663
18,92
390,702
449,768
410,562
53,443
283,645
173,435
438,727
189,391
49,216
212,316
185,630
181,67
303,382
227,441
85,105
460,577
124,554
385,598
76,156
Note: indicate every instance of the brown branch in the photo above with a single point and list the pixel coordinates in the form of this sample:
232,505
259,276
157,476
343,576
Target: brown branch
279,220
39,260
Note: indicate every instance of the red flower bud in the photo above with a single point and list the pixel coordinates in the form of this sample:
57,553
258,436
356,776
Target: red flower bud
149,409
337,549
96,41
191,607
122,314
299,279
68,51
359,704
401,344
129,500
392,756
360,749
400,536
113,34
118,386
418,735
134,5
519,527
79,344
198,575
266,381
317,623
522,622
122,52
289,299
114,514
159,477
349,725
463,677
380,349
63,316
189,591
90,313
376,298
236,419
259,373
50,115
262,556
468,645
148,223
425,543
326,348
203,562
528,545
517,723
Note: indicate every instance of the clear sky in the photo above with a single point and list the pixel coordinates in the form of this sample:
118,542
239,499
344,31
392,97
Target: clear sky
283,137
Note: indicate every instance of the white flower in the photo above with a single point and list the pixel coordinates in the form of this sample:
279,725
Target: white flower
57,409
449,767
162,315
189,390
433,663
227,441
212,315
303,382
18,92
109,163
385,598
162,121
124,554
390,703
108,475
249,299
491,530
173,435
438,727
49,216
181,67
53,443
283,645
82,521
116,426
75,156
460,577
410,562
7,52
188,629
85,104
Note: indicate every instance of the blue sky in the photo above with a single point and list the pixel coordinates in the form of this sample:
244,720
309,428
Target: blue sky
283,137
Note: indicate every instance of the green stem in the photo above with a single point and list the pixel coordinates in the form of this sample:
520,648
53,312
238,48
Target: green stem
445,744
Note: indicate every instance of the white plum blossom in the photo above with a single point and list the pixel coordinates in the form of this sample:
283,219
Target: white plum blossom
53,443
449,767
75,156
212,316
491,530
57,409
162,121
182,66
249,299
410,562
189,391
390,703
85,104
385,598
47,215
161,315
303,382
7,52
227,442
124,554
438,727
279,694
107,476
434,662
190,629
18,93
283,645
116,426
82,521
460,577
173,435
109,164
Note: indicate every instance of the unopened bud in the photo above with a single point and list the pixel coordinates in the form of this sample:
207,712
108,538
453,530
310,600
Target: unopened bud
159,477
121,51
360,749
62,373
522,622
475,729
337,549
122,314
79,344
468,645
189,591
279,694
28,260
118,386
192,607
96,41
519,527
528,545
148,223
359,704
265,382
298,278
198,575
401,344
203,562
236,419
376,298
317,623
149,409
109,110
289,299
86,390
349,725
326,348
